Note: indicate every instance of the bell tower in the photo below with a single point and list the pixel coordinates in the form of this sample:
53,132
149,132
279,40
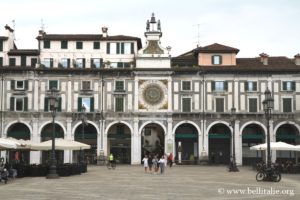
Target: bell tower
153,55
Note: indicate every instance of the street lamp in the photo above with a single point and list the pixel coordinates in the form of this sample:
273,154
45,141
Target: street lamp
83,120
268,105
233,167
53,102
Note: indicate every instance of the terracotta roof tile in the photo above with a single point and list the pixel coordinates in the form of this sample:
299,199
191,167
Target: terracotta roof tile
16,52
217,48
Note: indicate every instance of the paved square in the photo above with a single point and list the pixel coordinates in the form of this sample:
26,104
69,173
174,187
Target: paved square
130,182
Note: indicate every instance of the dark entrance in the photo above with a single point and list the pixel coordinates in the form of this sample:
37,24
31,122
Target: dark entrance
46,135
119,143
19,131
187,135
88,135
153,140
287,133
252,134
219,144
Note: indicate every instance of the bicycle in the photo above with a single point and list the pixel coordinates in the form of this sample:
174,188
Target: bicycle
268,174
111,164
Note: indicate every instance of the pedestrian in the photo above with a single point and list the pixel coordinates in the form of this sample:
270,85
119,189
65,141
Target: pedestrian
155,164
150,163
162,164
145,160
171,159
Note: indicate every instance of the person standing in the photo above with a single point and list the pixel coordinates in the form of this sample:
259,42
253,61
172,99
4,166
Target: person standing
162,163
155,164
145,160
171,159
150,163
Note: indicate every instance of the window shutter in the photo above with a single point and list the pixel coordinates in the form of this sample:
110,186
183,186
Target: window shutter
254,86
118,48
12,84
219,105
220,60
284,86
69,62
246,86
293,86
12,103
132,47
101,62
92,104
120,65
59,104
212,86
212,60
79,105
51,62
186,105
1,45
287,105
26,84
83,63
108,48
1,61
25,103
252,105
225,85
46,102
122,48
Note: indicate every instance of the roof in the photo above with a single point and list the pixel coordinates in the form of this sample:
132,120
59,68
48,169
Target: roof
90,37
216,48
3,38
29,52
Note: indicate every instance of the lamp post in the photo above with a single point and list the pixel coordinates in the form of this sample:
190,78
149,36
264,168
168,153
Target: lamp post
53,102
83,120
268,105
233,167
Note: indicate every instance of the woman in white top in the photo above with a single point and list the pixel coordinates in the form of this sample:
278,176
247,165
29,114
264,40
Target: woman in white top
162,163
145,160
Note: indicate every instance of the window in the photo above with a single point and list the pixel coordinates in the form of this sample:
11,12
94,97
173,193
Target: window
79,45
186,104
88,103
19,104
287,104
19,85
33,62
219,86
219,104
288,86
216,60
96,45
119,104
119,86
250,86
47,105
65,63
86,85
113,48
113,65
64,44
53,84
12,61
23,61
127,48
47,44
1,45
1,61
96,63
80,62
48,62
122,65
252,105
186,85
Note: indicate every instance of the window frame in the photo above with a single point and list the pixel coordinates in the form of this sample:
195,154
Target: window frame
50,62
83,82
119,89
119,97
182,104
79,45
57,83
213,59
96,45
12,61
217,98
93,65
290,88
250,106
47,44
183,84
291,105
16,84
22,99
64,44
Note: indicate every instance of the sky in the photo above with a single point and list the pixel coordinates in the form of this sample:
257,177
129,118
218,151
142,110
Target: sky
253,26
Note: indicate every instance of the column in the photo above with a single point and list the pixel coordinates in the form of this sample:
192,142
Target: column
35,156
136,143
238,143
68,154
272,139
104,142
100,137
170,142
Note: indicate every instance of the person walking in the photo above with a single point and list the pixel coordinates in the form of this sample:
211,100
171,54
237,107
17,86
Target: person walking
111,159
150,163
155,164
171,159
145,160
162,163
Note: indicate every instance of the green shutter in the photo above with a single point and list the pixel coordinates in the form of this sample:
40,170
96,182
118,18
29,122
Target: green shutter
1,61
254,86
119,104
284,85
23,61
118,48
12,103
122,48
252,105
33,62
287,105
1,45
220,60
25,103
69,62
246,86
79,104
108,48
186,105
51,62
101,62
132,47
212,60
26,84
92,104
46,102
225,85
53,84
12,84
213,86
120,65
293,86
83,63
219,105
59,104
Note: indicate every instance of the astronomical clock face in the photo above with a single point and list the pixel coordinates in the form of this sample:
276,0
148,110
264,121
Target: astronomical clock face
153,94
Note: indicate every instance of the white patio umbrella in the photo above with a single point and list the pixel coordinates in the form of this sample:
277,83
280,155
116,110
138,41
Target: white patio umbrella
278,146
8,144
22,144
60,144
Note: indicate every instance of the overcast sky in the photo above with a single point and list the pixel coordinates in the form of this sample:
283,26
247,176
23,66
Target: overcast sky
253,26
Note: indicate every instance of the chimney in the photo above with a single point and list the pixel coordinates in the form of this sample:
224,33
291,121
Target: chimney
42,33
264,58
104,31
297,59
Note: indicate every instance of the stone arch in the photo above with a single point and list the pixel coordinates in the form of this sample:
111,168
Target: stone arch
49,122
153,122
79,123
14,122
253,122
186,122
117,122
286,122
218,122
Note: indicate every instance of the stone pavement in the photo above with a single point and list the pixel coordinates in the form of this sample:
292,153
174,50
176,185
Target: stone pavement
130,182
